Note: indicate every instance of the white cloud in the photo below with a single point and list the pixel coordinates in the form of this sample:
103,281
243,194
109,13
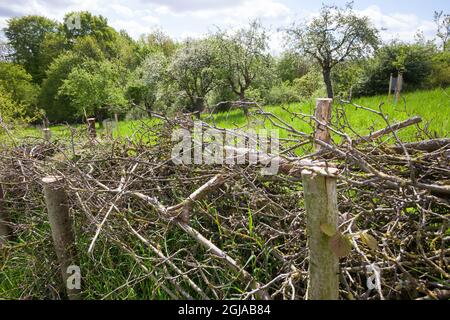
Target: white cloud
398,25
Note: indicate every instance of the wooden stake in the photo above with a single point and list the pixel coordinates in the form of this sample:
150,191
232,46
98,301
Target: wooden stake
116,119
321,208
5,230
390,87
91,128
398,88
323,115
47,134
61,225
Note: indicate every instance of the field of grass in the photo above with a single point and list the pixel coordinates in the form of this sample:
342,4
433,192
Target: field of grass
432,105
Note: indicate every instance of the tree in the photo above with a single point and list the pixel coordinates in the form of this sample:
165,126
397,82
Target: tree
193,69
26,36
443,27
242,57
291,65
18,83
147,79
95,88
336,35
10,111
59,107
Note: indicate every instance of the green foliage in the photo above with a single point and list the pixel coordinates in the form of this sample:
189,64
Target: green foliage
334,36
414,60
193,69
243,57
440,70
26,36
18,83
291,65
58,107
10,111
96,88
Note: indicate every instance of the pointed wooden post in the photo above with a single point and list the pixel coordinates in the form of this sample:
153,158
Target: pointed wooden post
323,115
61,225
116,119
398,87
321,208
390,87
320,198
47,134
5,230
91,128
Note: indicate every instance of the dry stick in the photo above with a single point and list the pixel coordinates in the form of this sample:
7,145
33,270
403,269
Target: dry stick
154,202
167,260
425,145
387,130
61,225
5,230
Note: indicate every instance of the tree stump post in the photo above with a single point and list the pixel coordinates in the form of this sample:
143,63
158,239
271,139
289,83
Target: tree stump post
62,233
320,198
47,134
323,115
116,120
321,209
5,230
91,128
390,87
398,88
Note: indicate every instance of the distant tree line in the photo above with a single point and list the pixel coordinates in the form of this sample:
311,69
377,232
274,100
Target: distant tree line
66,72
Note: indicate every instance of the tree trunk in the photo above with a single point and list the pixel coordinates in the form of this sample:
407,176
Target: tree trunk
327,79
199,106
242,99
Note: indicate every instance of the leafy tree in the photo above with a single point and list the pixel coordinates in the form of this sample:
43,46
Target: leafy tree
414,60
194,69
10,111
18,83
147,79
336,35
26,36
95,88
243,56
443,27
156,42
59,107
292,65
82,23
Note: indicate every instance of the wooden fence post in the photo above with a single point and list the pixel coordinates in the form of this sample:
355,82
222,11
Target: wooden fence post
47,134
321,209
322,114
390,87
61,225
91,128
320,198
5,230
116,119
398,87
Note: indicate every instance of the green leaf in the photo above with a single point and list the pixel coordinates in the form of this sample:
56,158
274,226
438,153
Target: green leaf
328,229
340,244
369,240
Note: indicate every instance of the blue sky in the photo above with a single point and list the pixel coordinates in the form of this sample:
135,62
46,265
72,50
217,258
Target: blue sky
399,19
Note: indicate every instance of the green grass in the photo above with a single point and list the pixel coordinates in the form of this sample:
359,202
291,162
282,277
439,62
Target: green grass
432,105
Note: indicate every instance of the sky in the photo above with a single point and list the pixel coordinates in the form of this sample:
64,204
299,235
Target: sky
398,19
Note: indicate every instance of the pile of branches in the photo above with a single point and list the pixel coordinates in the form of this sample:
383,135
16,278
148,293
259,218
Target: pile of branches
225,231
